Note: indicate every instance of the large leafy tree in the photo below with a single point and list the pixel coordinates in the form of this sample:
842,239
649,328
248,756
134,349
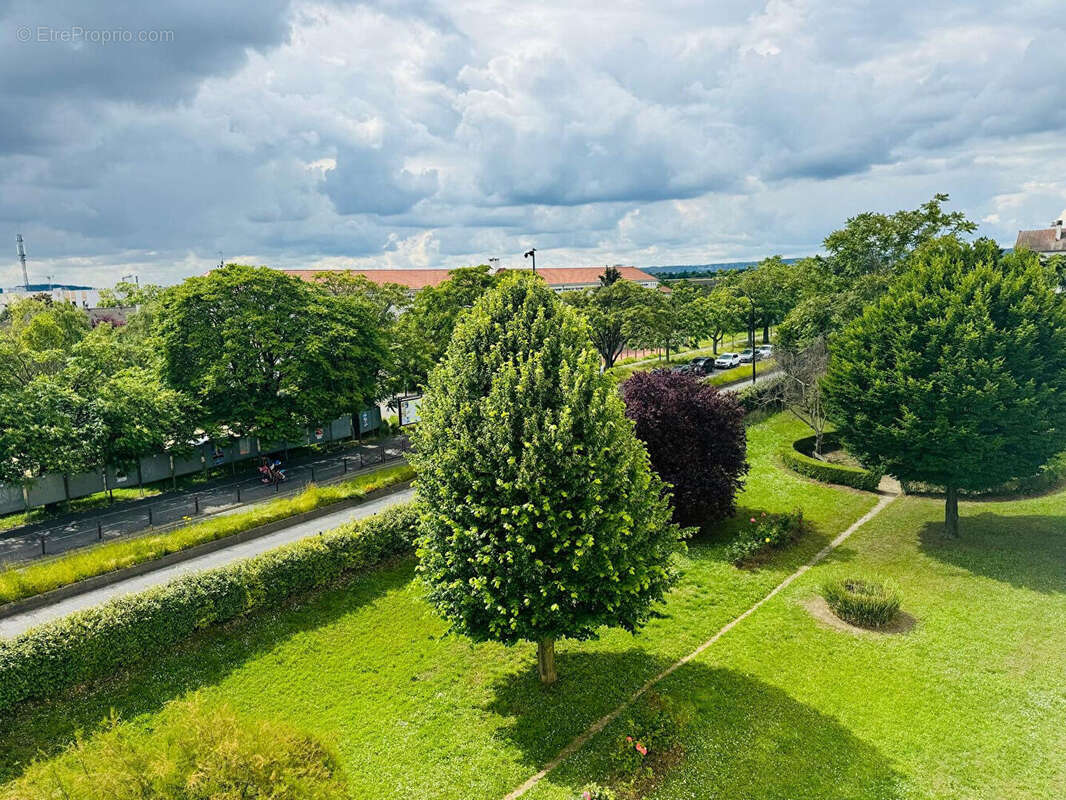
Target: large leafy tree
265,353
670,320
541,518
423,331
46,426
696,440
773,288
723,311
957,376
612,312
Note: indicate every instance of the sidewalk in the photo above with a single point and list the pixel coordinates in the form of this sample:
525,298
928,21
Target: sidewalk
170,509
16,624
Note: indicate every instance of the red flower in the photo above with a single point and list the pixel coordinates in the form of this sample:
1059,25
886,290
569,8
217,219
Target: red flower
753,519
629,738
641,749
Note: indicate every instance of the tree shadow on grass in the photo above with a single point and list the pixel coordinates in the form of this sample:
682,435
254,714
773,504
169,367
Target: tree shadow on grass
543,719
1023,551
203,660
746,739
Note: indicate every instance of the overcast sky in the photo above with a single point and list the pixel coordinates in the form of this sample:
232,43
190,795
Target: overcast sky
440,134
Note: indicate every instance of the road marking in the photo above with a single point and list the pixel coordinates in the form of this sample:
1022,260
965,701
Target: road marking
605,720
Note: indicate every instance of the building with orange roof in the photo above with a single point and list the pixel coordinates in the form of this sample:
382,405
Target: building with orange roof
561,279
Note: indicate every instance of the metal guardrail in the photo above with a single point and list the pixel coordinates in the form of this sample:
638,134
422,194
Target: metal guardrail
80,533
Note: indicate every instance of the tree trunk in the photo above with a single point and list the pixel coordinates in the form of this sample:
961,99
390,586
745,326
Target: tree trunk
951,512
546,661
766,334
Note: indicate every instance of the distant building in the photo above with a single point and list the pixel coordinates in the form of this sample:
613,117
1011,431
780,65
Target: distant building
561,279
82,296
1046,241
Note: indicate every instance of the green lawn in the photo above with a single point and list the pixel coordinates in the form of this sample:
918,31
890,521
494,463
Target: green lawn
366,667
741,372
968,704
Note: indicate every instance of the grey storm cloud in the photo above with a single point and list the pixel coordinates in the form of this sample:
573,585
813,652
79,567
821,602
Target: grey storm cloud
414,132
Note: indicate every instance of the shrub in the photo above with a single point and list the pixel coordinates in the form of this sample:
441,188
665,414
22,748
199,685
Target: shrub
649,744
867,603
798,458
696,440
763,533
593,791
198,751
766,395
28,581
95,642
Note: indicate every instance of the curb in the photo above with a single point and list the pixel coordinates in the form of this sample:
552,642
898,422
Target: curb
107,578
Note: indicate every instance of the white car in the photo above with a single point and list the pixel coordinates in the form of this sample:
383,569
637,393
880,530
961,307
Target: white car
767,350
727,360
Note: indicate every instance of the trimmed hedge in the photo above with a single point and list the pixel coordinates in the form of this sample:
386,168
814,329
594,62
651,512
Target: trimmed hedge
95,642
796,458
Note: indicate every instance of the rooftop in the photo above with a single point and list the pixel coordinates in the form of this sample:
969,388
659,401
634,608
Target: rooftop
416,279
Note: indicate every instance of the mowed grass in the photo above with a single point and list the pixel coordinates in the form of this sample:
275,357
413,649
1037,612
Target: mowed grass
968,703
740,373
18,582
418,714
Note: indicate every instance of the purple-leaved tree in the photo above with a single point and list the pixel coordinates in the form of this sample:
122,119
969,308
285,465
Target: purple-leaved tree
696,440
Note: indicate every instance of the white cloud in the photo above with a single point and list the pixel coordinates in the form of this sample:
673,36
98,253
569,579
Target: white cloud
420,133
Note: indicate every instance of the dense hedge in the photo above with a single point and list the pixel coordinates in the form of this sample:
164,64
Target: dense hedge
796,458
95,642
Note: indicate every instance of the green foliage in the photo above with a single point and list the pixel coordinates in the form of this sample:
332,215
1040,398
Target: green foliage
762,396
669,320
863,602
541,517
93,643
18,583
798,457
614,314
764,533
199,750
424,330
774,288
957,377
46,427
593,791
870,243
863,257
268,354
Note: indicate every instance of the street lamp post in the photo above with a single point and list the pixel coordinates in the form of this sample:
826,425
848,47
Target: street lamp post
533,254
751,333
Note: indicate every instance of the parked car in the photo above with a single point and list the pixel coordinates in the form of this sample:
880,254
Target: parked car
727,361
702,366
683,369
748,355
767,350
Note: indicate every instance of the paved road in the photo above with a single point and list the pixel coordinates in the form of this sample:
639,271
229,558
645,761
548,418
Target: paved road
77,530
14,625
